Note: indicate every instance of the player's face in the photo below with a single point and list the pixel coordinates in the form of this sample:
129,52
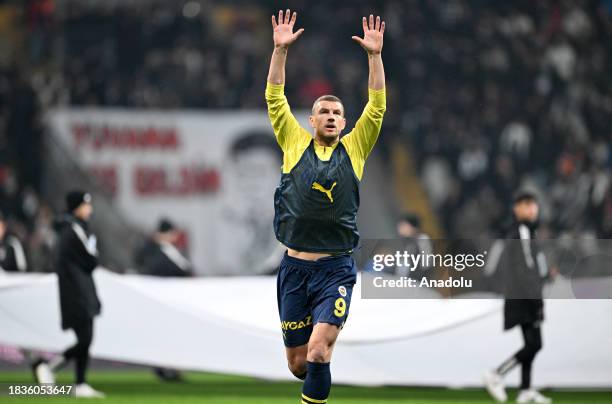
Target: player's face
328,119
527,210
2,229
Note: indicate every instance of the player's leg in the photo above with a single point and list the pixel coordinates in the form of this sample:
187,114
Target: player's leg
295,317
317,384
332,288
322,341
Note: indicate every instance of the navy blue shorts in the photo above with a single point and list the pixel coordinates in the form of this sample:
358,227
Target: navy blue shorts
311,292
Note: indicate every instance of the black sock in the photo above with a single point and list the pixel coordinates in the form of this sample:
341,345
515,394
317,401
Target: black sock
317,384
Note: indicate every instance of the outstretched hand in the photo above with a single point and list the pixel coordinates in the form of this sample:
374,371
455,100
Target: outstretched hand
283,30
373,32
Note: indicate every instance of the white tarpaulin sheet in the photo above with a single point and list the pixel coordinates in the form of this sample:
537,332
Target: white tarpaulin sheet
231,325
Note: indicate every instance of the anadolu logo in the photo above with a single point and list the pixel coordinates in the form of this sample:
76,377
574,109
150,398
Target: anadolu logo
342,291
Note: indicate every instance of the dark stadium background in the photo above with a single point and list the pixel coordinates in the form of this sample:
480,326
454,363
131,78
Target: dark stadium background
486,96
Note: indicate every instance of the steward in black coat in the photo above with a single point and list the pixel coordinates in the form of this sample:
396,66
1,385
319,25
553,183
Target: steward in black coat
523,268
76,257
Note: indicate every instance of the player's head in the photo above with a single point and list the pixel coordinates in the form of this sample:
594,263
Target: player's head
525,207
78,204
327,117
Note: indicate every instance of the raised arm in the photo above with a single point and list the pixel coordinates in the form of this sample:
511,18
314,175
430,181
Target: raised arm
372,42
283,37
360,141
291,137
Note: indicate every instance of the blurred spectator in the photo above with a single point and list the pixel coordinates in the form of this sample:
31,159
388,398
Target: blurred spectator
12,255
159,256
415,243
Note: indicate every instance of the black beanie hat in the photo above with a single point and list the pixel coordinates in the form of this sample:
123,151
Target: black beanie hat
76,198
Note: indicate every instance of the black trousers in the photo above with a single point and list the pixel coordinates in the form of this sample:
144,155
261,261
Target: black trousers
80,351
533,343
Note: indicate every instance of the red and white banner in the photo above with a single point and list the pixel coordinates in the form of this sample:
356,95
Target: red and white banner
213,173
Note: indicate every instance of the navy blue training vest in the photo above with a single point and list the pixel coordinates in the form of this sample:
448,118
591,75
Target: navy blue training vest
316,203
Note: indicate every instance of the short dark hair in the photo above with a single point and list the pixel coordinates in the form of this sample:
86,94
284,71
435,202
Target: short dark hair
327,97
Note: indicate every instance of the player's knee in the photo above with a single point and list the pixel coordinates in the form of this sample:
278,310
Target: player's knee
297,366
319,352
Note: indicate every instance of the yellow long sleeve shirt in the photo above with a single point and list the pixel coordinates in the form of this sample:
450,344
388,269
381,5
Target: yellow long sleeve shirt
294,139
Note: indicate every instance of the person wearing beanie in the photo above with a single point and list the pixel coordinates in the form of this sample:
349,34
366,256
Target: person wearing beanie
523,268
76,257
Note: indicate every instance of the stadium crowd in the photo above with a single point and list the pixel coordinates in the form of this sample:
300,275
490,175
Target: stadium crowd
489,95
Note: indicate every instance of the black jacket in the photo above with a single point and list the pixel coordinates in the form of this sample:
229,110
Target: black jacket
523,269
12,255
161,260
75,260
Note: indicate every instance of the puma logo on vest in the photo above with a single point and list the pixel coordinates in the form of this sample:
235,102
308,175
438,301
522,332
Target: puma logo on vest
327,192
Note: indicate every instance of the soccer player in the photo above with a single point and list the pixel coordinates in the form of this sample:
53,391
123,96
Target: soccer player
316,207
523,269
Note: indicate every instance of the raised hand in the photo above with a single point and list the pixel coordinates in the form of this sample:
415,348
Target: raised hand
373,32
283,30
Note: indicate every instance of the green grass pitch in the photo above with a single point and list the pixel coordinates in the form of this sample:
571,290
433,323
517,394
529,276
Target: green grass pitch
141,386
